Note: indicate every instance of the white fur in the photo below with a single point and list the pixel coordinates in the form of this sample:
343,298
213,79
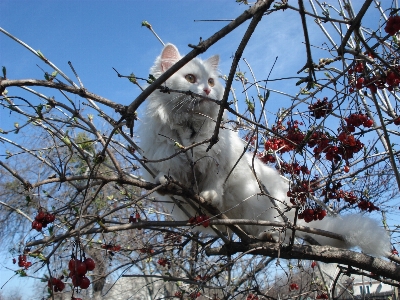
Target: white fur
173,118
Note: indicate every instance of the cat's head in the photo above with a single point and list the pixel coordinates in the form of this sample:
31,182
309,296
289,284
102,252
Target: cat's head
198,76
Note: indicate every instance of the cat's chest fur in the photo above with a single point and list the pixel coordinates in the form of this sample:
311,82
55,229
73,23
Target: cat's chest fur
194,163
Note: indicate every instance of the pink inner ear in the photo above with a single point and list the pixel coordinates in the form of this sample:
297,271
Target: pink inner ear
213,61
169,56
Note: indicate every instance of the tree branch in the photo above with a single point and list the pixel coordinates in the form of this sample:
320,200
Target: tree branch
319,253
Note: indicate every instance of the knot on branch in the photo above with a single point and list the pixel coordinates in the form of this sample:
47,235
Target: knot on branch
51,102
27,186
165,89
213,141
201,47
130,118
121,109
82,92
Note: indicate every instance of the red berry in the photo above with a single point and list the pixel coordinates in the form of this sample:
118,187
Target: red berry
52,282
200,219
251,297
206,221
84,283
90,264
80,268
346,169
40,216
360,80
71,264
368,123
50,218
37,225
76,280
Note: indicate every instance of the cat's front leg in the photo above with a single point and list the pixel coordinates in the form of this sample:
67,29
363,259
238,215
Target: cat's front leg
162,178
213,193
210,196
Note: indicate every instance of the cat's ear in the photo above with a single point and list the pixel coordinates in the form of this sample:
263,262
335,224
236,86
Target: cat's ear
169,56
213,61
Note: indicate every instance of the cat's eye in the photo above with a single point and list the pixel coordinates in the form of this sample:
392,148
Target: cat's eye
191,78
211,82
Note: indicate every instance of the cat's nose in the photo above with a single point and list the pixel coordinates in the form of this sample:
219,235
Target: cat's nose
207,90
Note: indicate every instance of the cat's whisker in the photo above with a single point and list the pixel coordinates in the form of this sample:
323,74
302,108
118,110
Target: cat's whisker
179,105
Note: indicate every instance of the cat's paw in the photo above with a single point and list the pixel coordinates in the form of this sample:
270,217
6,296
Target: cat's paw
210,196
162,179
267,236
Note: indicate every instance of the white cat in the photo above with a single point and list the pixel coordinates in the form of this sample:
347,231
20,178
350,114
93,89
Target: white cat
172,118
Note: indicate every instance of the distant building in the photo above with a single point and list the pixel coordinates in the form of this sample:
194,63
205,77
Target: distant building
365,285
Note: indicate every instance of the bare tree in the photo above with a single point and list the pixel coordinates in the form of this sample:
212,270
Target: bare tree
336,143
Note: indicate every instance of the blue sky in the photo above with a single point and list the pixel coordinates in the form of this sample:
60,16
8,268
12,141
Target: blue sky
98,35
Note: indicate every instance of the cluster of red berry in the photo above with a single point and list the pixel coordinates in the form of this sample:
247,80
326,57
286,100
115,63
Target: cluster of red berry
110,247
356,120
349,145
134,219
250,138
310,214
194,295
178,294
202,278
293,136
299,193
332,192
200,220
320,108
336,193
251,297
274,144
367,205
388,80
267,157
320,141
358,68
56,283
348,197
392,25
359,81
293,168
147,250
322,296
164,262
77,271
42,219
323,143
22,261
392,79
293,286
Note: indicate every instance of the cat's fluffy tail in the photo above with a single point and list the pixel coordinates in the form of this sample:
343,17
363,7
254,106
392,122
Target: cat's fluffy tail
357,230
